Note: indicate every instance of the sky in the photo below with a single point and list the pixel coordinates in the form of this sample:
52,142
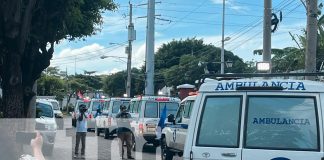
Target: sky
176,20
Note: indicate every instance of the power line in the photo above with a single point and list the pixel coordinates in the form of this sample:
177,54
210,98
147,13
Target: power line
88,53
234,48
185,16
259,22
83,58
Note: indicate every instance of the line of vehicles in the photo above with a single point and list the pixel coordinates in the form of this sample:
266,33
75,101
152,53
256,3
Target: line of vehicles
238,119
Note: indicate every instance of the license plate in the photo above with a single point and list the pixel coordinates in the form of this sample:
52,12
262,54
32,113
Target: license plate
150,129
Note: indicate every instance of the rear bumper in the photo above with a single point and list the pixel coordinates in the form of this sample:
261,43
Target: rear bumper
150,137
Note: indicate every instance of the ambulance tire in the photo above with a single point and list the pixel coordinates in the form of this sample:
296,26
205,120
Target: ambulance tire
98,131
107,134
166,154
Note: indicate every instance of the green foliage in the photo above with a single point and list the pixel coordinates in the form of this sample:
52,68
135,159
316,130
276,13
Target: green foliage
50,86
29,31
320,42
287,59
115,84
92,82
177,62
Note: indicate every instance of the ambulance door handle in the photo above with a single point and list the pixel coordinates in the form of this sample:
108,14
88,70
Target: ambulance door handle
229,154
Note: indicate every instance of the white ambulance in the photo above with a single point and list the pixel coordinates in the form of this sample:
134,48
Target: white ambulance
106,122
257,119
174,133
146,112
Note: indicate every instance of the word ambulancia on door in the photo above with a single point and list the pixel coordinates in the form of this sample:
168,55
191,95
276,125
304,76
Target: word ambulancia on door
284,84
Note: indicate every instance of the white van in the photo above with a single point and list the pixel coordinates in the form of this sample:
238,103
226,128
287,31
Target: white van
106,122
257,119
146,112
174,133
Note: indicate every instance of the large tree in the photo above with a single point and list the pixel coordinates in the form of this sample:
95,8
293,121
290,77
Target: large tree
177,62
28,31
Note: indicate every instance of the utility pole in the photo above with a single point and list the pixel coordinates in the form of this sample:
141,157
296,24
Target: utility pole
310,57
267,32
149,85
131,37
222,51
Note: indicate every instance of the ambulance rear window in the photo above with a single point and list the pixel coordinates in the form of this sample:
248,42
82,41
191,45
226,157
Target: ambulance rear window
151,110
116,106
171,107
187,108
219,124
283,123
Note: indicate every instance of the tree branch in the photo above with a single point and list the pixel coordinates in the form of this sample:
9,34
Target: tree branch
26,25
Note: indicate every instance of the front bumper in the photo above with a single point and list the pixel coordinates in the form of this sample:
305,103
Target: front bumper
48,137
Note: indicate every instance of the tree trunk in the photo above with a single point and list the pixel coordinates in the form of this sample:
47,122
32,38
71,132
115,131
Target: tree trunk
30,102
13,106
67,102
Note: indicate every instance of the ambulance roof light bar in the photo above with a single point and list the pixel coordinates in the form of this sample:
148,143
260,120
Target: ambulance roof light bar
263,66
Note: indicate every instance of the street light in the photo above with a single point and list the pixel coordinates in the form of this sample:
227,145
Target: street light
128,51
116,57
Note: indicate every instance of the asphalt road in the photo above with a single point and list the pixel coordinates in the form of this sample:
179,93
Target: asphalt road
97,148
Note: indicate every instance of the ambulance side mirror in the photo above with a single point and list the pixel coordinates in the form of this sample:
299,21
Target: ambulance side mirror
171,118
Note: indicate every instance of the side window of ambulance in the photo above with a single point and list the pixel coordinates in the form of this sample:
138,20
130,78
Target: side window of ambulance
220,122
131,107
187,109
179,114
286,122
138,106
116,106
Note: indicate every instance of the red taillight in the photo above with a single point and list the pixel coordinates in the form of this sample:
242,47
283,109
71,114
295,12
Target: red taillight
141,128
90,116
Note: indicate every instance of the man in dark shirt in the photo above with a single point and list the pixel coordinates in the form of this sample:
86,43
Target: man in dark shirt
124,132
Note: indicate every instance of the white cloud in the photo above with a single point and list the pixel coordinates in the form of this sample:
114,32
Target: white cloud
88,58
108,72
232,5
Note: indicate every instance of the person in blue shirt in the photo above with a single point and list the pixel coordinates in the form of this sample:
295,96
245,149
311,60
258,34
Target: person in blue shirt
98,113
81,130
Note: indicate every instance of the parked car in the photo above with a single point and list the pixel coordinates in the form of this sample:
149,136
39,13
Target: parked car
174,133
57,112
46,124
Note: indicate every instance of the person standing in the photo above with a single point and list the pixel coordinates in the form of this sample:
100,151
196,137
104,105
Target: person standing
81,130
124,132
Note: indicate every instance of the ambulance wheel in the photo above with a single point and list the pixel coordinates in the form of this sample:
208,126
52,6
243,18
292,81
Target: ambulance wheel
106,131
134,143
98,131
166,154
